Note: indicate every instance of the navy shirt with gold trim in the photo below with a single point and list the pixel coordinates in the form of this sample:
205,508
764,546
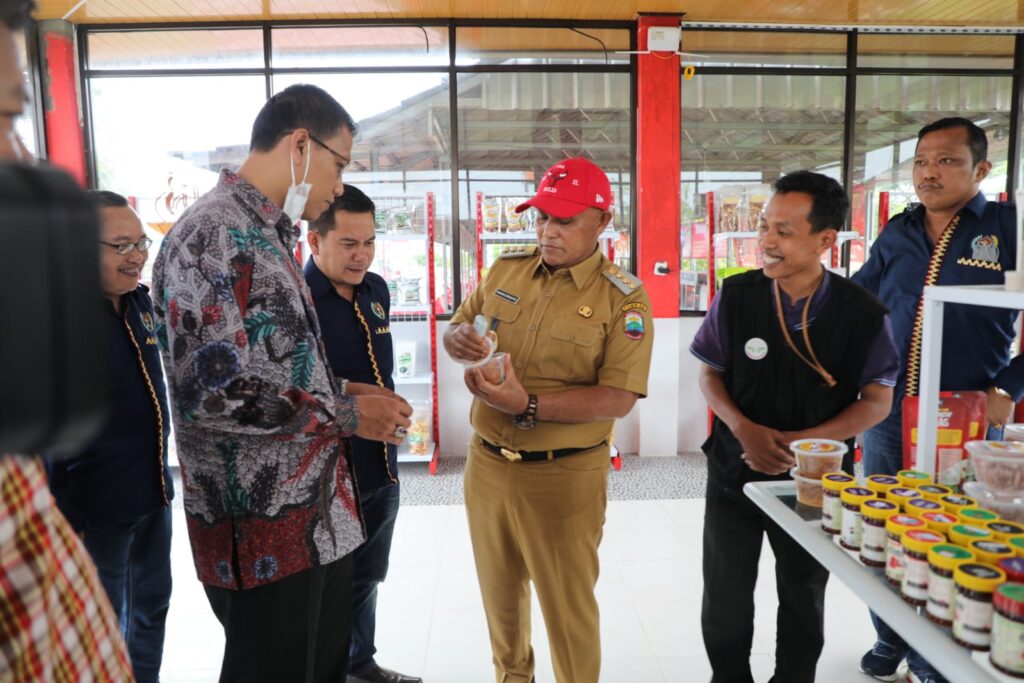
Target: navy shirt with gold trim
349,357
975,339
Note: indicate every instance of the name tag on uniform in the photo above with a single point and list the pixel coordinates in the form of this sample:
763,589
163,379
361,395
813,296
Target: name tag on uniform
511,298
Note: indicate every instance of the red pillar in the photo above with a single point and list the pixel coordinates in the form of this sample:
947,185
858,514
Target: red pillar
64,144
657,160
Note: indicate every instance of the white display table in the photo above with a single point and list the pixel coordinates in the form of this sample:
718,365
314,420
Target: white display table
803,523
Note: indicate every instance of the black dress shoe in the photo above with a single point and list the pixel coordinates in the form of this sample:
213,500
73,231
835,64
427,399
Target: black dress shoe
378,674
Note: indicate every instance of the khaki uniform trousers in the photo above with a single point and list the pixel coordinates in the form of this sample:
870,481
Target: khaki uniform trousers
540,522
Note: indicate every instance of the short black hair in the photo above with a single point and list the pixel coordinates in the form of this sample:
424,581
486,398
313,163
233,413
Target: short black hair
976,137
103,199
298,106
352,200
830,202
14,14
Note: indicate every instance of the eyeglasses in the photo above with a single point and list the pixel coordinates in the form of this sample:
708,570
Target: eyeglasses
123,248
328,148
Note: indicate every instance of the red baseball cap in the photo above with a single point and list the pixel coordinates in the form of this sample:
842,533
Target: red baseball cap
569,187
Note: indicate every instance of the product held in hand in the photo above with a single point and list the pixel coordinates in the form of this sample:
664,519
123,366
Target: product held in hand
817,457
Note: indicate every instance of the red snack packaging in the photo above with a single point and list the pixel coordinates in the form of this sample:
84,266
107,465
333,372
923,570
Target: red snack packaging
961,419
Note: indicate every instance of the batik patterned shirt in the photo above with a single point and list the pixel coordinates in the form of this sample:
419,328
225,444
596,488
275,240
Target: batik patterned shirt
257,418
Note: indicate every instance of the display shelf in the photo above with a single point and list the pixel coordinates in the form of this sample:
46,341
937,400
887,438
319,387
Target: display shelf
935,299
778,500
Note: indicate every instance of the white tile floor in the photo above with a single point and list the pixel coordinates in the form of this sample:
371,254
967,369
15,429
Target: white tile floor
431,621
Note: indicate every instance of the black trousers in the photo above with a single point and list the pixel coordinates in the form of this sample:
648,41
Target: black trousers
295,630
733,532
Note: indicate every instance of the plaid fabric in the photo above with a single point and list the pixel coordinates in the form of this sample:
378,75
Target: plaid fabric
55,620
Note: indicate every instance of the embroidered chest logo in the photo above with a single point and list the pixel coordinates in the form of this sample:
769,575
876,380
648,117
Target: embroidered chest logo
984,253
147,321
377,309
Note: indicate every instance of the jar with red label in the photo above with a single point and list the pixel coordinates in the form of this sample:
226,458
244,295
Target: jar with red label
916,544
939,521
874,514
832,485
942,560
852,529
1008,630
895,527
1013,567
972,616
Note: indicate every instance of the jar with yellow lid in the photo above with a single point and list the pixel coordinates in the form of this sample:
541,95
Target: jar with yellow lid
1008,630
1017,544
954,503
874,513
901,495
914,478
934,491
939,521
990,551
972,615
916,544
963,534
832,484
1004,531
895,527
852,498
881,483
977,516
943,558
918,506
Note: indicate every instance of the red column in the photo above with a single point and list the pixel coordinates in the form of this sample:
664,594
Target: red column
64,145
657,160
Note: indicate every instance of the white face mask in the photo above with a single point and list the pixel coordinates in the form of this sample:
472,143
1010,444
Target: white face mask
298,195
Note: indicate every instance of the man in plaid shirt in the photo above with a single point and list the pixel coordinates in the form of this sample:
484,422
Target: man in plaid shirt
55,620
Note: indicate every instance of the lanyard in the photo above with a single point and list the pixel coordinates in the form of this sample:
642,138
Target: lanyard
931,277
813,361
376,374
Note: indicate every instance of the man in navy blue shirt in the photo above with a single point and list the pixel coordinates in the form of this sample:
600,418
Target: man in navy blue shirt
954,237
117,493
353,307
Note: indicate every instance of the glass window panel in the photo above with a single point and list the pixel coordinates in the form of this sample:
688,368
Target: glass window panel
890,112
492,45
401,160
197,49
740,133
512,128
935,51
192,128
25,125
360,46
776,49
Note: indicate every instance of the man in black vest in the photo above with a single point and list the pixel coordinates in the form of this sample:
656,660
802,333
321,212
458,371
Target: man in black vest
353,306
790,351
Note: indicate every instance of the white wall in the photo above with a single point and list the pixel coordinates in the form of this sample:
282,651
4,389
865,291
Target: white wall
672,419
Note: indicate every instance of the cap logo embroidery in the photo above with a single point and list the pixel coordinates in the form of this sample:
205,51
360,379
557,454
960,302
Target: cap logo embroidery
598,198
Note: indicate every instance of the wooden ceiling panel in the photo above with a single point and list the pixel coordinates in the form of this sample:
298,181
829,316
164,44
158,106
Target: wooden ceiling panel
917,12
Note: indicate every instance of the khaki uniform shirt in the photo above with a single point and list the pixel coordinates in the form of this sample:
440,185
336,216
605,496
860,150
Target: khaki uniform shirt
575,327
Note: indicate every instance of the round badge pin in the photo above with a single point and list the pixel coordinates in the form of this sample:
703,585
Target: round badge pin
755,348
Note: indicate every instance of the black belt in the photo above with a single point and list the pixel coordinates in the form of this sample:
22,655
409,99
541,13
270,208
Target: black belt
535,456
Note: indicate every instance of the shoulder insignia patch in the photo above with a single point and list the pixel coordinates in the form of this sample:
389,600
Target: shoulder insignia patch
519,251
623,280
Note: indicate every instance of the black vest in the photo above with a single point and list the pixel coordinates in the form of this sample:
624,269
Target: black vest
780,391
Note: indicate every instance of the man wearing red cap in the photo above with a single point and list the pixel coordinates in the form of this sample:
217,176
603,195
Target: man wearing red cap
577,331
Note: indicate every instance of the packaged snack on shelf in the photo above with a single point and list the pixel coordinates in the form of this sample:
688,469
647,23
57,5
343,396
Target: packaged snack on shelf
728,217
400,220
405,352
393,290
380,219
409,291
490,207
419,436
961,419
755,205
513,220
